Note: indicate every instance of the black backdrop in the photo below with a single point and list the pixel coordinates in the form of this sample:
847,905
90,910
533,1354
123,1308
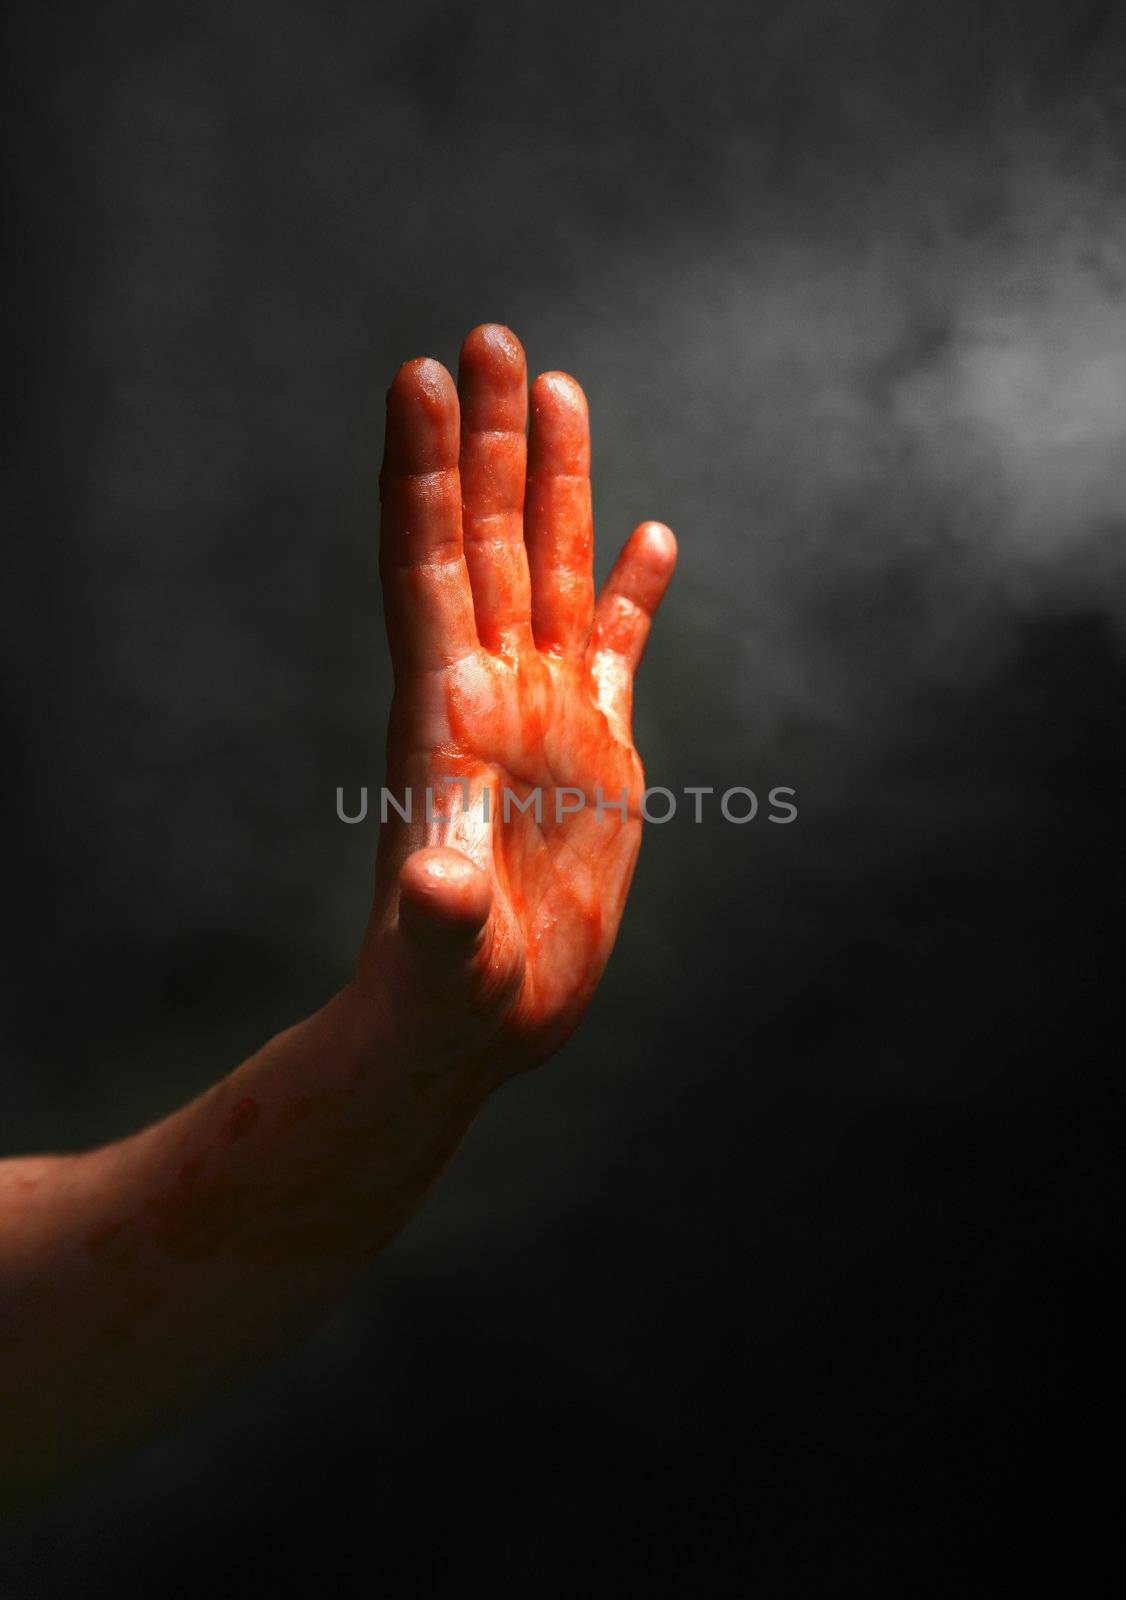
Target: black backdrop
792,1275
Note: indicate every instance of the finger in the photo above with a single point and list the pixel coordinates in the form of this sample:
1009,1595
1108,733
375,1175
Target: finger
625,611
426,592
444,898
557,519
493,389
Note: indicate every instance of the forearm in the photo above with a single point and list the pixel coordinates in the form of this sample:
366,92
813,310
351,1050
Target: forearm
137,1278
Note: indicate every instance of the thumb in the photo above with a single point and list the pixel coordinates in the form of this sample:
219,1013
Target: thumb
444,899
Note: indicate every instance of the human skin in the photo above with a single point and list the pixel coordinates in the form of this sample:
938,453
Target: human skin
138,1278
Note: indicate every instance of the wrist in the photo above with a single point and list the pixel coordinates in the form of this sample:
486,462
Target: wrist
430,1013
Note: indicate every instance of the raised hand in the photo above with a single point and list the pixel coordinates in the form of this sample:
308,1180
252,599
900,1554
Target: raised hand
498,902
137,1277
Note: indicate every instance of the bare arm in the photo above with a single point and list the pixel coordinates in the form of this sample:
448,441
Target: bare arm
137,1278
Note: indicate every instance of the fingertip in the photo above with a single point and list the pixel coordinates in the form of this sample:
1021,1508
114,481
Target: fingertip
657,547
634,591
560,434
423,381
443,894
560,391
493,381
494,348
422,418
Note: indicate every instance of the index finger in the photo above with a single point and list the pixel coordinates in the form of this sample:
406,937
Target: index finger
426,594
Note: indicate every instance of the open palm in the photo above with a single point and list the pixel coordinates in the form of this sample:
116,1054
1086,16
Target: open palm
509,745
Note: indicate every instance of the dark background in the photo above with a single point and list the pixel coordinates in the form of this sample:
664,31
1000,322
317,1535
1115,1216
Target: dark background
792,1276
